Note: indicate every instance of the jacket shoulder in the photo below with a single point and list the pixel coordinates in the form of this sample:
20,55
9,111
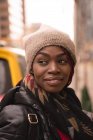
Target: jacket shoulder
9,97
13,121
10,111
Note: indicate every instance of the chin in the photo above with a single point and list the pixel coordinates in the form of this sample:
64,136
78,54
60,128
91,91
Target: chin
54,90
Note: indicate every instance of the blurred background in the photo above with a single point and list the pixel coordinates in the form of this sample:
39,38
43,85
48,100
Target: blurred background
74,17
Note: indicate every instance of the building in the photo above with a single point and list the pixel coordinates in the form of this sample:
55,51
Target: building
84,43
12,19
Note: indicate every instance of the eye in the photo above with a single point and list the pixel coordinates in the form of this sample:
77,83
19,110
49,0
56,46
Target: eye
43,62
62,61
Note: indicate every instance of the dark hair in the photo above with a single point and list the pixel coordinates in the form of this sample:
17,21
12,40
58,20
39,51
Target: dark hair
72,64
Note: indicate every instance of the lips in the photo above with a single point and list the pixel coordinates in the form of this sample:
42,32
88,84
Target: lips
54,81
54,78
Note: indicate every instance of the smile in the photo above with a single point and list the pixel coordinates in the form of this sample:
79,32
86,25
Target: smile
54,82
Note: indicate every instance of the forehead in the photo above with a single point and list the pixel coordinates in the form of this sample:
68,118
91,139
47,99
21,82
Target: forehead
52,50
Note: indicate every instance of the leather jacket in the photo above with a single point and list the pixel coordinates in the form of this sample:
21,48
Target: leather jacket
21,118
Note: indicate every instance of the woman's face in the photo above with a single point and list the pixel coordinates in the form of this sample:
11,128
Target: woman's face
51,69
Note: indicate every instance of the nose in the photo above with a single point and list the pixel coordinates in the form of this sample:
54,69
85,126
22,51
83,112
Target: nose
53,68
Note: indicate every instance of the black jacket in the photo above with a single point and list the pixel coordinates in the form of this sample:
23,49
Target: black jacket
21,118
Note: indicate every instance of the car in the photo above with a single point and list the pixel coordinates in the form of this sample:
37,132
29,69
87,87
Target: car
12,68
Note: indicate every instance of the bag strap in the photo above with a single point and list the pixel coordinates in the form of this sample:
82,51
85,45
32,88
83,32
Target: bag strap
33,124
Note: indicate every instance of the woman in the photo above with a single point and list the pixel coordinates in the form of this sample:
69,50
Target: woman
42,107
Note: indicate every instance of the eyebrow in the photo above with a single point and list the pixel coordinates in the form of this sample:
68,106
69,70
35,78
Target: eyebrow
45,54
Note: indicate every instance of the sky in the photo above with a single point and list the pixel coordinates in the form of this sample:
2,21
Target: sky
57,13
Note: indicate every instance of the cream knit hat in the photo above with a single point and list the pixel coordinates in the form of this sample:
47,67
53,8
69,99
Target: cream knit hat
46,36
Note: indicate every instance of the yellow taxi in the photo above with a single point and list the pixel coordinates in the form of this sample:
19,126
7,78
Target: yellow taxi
12,67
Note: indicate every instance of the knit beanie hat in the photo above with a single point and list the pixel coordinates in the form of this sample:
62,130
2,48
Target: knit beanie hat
46,36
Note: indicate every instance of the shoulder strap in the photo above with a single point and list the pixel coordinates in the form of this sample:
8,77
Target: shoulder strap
33,124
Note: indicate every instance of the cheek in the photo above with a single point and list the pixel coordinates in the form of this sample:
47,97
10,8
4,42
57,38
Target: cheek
38,76
38,72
